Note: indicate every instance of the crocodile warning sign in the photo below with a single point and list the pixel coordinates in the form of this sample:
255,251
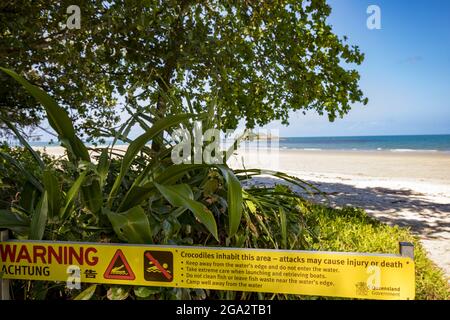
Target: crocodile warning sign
119,268
356,275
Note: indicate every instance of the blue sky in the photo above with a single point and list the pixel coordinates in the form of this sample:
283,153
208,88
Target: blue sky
406,73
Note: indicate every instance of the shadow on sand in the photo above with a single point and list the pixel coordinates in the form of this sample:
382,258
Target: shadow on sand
405,208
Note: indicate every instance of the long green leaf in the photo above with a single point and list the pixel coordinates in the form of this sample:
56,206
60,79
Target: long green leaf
28,196
173,173
118,293
131,226
24,142
140,142
71,195
57,117
184,190
87,293
234,197
39,219
12,222
52,188
103,166
145,292
308,187
145,175
200,211
93,196
283,224
136,196
170,175
30,177
122,132
253,208
137,115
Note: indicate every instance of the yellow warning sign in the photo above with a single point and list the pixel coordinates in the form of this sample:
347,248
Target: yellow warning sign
370,276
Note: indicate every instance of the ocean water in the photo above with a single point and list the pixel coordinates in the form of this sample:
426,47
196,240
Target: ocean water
430,143
411,143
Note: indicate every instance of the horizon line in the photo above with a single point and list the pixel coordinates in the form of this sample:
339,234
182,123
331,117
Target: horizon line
370,135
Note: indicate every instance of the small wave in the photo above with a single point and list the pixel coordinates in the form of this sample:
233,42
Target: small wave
312,149
412,150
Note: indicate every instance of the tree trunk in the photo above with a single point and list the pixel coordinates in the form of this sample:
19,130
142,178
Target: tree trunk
164,83
160,112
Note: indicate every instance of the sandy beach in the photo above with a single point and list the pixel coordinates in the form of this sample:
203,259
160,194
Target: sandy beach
410,189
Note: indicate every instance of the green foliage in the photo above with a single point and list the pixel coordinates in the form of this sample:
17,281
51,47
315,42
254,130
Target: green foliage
13,222
39,219
71,196
131,226
351,229
57,117
137,197
234,200
33,42
13,178
275,218
87,293
182,196
118,293
20,168
24,142
264,59
140,142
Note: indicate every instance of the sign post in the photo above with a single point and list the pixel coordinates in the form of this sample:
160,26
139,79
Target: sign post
406,249
334,274
4,284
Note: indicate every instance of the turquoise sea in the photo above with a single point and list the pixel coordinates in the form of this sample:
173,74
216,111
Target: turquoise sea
407,143
371,143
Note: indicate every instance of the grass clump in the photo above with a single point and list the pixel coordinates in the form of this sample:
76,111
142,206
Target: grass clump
352,230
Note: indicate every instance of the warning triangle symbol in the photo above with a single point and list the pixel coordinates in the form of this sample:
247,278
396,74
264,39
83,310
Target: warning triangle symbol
119,268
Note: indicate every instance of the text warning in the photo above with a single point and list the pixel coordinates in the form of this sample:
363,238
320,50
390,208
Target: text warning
355,275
